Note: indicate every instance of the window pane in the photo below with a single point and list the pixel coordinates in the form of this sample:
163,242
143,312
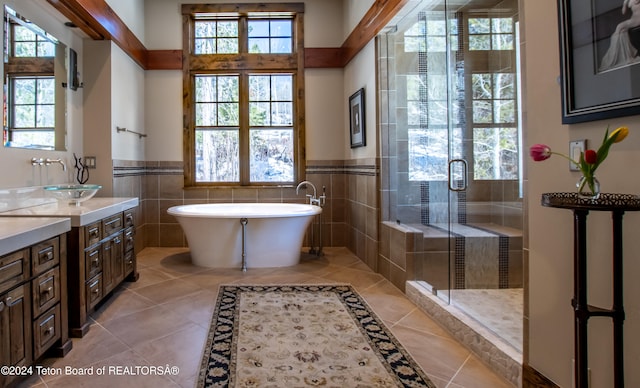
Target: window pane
479,42
258,28
282,113
46,91
504,111
217,156
259,88
259,113
282,88
482,86
271,155
205,29
30,139
495,153
227,46
281,45
25,116
46,49
205,46
24,91
46,116
205,89
502,42
206,115
281,28
260,45
482,111
228,114
227,88
227,29
502,25
216,37
479,26
504,84
414,44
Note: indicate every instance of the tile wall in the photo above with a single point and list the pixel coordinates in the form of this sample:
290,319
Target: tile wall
350,216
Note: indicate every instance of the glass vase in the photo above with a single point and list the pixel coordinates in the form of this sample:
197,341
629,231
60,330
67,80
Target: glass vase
588,187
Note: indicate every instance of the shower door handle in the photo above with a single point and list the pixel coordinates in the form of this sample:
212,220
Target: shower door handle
465,170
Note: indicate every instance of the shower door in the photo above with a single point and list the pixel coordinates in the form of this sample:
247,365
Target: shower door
454,67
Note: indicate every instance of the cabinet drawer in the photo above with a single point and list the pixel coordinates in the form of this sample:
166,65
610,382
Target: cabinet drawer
92,262
128,218
45,255
46,331
128,263
92,234
94,291
45,291
14,269
111,225
129,241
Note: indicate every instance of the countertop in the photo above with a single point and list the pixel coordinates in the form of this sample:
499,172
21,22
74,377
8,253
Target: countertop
20,232
89,211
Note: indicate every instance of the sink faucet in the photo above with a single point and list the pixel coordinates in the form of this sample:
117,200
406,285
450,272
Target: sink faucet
49,161
312,199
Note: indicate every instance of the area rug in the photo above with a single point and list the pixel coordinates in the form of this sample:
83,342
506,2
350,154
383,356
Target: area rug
300,336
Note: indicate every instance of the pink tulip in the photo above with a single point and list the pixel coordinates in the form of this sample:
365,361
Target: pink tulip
540,152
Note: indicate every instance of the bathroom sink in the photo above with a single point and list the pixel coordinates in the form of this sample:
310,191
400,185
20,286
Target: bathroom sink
71,193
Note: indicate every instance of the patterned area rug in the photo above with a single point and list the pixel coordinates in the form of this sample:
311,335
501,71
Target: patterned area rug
302,335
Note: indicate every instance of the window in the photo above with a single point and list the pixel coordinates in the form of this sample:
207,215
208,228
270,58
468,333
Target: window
30,117
476,101
491,33
27,43
243,94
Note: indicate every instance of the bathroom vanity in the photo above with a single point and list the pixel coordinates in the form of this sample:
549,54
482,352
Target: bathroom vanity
33,293
100,251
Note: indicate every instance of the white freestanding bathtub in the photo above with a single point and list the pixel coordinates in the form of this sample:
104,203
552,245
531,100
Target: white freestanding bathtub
274,233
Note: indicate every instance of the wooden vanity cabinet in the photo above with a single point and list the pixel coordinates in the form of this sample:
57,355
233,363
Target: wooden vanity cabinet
33,305
103,259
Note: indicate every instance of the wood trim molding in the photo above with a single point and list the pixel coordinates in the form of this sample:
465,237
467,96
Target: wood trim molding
99,21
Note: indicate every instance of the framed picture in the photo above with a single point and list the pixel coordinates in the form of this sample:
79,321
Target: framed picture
356,119
599,46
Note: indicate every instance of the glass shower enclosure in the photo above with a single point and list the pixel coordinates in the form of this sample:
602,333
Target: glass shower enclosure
452,145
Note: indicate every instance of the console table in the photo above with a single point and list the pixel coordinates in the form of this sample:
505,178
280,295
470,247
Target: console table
617,204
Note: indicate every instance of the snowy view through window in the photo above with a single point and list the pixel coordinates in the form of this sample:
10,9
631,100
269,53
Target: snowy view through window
436,132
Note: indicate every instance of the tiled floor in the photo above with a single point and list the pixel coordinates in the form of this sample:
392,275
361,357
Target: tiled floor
163,318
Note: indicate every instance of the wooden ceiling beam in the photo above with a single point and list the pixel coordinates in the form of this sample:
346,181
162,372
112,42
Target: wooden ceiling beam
99,21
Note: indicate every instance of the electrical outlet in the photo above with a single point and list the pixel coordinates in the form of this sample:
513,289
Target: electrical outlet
90,161
576,147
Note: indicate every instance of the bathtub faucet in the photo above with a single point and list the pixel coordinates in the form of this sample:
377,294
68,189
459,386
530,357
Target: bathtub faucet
313,200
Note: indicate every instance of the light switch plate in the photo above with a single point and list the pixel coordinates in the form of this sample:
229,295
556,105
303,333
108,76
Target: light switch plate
575,148
89,161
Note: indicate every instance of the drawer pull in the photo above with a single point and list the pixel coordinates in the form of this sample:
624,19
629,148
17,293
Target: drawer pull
95,261
96,291
93,232
48,330
46,256
47,291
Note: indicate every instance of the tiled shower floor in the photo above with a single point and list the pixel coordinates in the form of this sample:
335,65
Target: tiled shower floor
500,310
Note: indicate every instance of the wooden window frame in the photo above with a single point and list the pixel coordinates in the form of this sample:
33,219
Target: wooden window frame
243,62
